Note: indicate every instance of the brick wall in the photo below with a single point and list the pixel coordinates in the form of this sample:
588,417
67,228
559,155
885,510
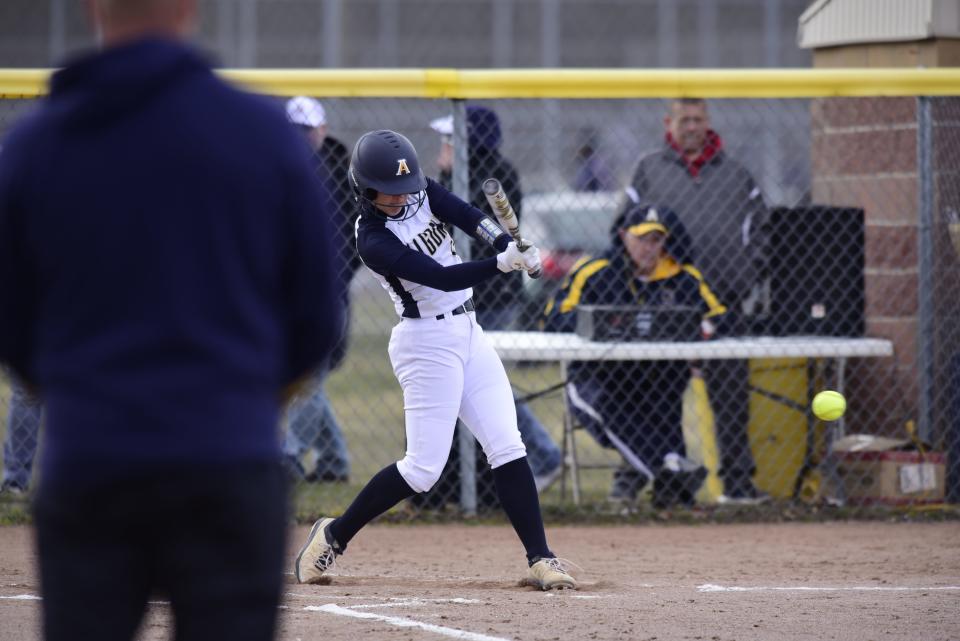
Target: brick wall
864,154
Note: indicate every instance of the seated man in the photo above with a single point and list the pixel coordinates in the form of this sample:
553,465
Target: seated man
636,407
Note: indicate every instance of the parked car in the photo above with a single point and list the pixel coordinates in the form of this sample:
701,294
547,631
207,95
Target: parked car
565,226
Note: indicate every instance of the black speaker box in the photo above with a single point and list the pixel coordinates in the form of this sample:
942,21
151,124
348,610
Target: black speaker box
816,271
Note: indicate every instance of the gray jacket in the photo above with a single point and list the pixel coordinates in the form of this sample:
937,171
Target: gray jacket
722,209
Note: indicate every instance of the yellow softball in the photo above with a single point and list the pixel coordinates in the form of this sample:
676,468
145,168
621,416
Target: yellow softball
829,405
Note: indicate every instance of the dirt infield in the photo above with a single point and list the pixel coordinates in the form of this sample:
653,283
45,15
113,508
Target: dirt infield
715,582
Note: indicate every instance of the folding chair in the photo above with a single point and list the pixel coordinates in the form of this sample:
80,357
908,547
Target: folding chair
571,460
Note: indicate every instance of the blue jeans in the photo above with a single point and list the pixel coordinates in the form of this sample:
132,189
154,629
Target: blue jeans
542,453
311,423
20,443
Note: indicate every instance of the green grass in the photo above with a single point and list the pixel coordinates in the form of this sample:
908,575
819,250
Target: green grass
14,510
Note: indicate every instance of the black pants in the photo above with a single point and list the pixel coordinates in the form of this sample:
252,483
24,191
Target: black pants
728,388
210,540
640,403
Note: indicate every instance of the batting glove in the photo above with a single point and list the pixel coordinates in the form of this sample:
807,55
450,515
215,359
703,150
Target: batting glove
531,259
510,259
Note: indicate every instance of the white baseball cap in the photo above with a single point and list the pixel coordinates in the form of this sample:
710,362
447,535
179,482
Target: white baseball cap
443,126
306,111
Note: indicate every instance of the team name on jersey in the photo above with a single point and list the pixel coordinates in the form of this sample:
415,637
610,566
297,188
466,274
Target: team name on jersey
429,240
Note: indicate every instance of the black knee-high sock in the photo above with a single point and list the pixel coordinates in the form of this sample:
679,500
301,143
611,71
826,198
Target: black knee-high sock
518,496
382,492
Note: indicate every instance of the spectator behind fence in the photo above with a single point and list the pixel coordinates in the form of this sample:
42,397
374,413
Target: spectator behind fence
20,442
496,301
637,407
721,206
592,171
314,446
166,270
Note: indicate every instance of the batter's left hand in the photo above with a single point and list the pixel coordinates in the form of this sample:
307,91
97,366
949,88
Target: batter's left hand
531,259
510,259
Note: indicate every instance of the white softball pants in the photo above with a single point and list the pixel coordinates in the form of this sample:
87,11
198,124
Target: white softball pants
446,369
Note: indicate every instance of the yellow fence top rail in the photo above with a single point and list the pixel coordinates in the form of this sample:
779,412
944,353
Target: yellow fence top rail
564,83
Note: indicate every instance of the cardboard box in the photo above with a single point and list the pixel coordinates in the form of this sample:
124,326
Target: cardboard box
876,470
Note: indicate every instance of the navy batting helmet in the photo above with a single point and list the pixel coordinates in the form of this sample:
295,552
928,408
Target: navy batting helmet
385,162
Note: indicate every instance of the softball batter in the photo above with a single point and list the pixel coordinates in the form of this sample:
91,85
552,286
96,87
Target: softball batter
439,354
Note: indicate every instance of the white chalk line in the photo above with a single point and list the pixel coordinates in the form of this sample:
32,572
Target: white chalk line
436,578
404,599
329,596
34,597
414,602
401,622
710,587
440,579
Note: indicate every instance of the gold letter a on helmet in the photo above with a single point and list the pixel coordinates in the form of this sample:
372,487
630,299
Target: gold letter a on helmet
402,168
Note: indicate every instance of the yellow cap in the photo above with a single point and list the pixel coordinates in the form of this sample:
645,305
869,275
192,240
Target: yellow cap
643,228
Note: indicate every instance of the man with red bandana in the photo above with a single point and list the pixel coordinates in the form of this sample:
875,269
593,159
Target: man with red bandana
719,203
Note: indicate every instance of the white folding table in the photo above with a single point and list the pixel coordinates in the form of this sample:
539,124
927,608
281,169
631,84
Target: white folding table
564,348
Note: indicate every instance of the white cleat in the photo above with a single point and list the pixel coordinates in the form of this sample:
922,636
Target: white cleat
316,556
550,574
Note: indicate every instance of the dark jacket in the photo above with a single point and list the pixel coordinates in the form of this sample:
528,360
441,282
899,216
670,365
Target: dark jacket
721,207
608,280
640,401
332,161
165,264
334,157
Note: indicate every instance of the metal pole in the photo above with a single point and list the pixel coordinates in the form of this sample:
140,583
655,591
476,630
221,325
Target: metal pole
925,333
667,54
709,51
332,27
550,27
388,39
226,32
247,27
461,187
461,169
58,32
501,33
771,33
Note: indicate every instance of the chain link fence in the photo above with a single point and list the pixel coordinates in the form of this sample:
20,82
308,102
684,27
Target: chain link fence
798,244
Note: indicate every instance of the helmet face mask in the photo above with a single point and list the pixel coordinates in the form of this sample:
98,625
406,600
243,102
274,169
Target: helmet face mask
384,205
385,162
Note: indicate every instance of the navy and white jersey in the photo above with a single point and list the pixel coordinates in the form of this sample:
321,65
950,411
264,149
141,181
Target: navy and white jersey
416,260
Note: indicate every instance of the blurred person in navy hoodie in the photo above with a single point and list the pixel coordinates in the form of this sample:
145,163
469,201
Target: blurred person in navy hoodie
165,251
